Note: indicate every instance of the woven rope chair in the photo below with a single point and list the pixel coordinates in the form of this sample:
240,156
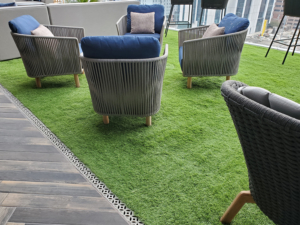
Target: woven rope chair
51,56
126,87
271,145
122,28
215,56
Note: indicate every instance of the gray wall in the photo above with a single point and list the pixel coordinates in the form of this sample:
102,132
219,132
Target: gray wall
8,49
97,18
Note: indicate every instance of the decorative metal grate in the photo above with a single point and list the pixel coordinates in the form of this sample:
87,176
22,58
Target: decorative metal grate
85,171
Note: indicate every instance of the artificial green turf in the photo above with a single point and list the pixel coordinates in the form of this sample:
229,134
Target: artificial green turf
184,169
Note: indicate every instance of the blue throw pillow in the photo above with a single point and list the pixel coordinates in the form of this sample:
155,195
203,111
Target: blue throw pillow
7,4
23,24
159,11
233,23
120,47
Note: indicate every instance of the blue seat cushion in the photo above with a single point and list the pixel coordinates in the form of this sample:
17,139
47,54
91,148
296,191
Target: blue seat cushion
7,4
23,24
155,35
120,47
180,55
157,9
233,23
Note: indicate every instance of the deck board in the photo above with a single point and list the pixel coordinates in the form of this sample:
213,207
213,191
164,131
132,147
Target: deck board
38,184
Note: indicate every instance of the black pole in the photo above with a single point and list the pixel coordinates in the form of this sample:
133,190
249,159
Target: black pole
168,24
296,43
287,52
275,36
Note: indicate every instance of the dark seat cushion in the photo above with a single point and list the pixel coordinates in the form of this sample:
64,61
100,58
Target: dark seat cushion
157,9
257,94
23,24
7,4
155,35
120,47
233,23
180,55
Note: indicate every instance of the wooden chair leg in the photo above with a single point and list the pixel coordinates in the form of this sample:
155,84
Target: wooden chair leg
242,198
76,78
38,82
105,119
189,82
227,77
148,120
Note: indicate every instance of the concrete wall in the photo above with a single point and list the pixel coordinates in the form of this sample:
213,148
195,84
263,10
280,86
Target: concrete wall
97,18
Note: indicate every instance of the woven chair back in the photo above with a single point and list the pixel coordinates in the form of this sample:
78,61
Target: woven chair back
271,145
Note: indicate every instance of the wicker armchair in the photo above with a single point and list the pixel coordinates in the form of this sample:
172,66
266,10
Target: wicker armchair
215,56
271,145
126,87
122,28
51,56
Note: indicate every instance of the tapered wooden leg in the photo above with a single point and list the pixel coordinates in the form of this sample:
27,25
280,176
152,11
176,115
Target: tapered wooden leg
227,77
105,119
242,198
76,78
148,120
38,82
189,82
82,71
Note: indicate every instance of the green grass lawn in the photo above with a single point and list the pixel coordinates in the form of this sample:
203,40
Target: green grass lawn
184,169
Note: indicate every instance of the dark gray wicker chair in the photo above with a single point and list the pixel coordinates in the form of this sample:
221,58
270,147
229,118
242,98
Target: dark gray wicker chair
51,56
271,145
215,56
126,87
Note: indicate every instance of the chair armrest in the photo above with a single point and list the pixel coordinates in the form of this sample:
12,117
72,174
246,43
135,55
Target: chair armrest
162,32
190,33
213,56
63,31
122,25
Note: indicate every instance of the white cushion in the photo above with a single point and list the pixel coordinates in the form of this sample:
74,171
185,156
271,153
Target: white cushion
213,30
42,31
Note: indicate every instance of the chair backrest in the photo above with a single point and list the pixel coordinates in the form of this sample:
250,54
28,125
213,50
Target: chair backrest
157,9
271,145
23,24
292,8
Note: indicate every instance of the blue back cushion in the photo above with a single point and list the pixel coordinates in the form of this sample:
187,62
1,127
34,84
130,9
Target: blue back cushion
159,14
233,23
23,24
120,47
7,4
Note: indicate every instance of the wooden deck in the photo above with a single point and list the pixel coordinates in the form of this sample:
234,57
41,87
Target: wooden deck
38,185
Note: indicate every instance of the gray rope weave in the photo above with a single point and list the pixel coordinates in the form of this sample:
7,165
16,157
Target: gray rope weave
127,87
271,145
51,56
215,56
122,28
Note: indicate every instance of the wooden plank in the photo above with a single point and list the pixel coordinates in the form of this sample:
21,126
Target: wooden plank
37,166
46,188
58,202
33,156
27,140
5,214
23,147
11,115
9,223
39,176
7,105
9,110
30,132
2,197
62,216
